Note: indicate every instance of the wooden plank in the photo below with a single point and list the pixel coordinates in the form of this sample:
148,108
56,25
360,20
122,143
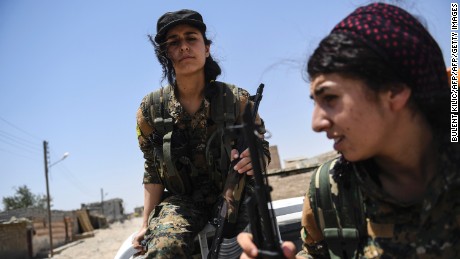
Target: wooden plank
84,221
41,232
68,228
60,224
58,231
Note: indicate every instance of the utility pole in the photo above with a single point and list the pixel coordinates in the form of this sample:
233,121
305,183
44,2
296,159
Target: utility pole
47,166
102,201
45,151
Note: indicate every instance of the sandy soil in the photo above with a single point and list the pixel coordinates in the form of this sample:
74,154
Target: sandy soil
106,242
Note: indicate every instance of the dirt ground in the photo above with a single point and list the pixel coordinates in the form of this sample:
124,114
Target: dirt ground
106,242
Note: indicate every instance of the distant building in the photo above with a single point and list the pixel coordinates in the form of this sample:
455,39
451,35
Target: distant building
275,164
295,162
112,209
302,162
139,211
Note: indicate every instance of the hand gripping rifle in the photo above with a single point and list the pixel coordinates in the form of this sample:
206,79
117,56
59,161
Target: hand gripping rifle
262,218
232,193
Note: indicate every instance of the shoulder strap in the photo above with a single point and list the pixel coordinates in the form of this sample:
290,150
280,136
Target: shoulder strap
338,211
163,124
224,112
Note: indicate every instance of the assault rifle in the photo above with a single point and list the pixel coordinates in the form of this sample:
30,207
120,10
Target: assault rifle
262,218
233,191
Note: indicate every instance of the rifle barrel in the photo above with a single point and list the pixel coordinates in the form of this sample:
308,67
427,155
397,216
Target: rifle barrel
271,242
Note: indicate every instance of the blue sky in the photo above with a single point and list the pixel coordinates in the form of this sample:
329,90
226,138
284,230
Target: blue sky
73,73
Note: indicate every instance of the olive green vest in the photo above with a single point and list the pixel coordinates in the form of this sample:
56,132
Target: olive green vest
225,109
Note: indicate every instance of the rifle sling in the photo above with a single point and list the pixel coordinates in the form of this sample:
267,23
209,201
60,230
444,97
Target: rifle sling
341,235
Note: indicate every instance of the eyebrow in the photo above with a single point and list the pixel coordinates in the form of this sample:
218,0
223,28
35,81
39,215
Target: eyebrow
177,36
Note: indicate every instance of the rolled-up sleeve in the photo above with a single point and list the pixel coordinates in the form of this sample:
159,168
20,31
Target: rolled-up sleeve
313,245
145,132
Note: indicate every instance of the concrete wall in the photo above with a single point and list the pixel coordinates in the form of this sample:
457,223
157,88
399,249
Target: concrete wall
275,164
296,162
64,228
18,241
112,209
15,240
302,162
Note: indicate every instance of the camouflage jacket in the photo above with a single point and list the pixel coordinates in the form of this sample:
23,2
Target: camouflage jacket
429,228
198,127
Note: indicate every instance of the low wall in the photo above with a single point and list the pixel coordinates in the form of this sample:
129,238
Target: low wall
64,228
15,240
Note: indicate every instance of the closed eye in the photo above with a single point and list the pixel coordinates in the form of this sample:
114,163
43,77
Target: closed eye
327,100
191,39
329,97
172,43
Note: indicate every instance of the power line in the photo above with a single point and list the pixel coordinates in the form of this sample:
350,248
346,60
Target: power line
75,182
19,143
17,154
22,148
19,140
16,127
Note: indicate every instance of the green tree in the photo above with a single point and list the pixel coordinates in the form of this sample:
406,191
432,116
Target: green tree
24,198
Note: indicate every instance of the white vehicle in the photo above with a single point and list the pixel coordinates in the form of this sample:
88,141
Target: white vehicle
288,215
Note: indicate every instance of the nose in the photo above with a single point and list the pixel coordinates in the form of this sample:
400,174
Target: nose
184,46
320,121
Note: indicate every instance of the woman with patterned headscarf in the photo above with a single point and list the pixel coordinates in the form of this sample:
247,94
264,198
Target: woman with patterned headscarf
381,94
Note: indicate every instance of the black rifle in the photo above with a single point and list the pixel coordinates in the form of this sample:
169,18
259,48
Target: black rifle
235,183
263,225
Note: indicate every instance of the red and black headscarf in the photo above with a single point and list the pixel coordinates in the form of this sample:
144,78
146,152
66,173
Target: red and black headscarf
403,42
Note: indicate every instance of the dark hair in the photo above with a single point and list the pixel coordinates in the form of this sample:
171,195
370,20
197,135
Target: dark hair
211,68
338,53
348,56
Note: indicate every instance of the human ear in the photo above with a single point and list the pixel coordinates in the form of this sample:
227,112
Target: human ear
207,48
398,96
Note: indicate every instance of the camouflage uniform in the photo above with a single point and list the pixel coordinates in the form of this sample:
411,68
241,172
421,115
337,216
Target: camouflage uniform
175,222
426,229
